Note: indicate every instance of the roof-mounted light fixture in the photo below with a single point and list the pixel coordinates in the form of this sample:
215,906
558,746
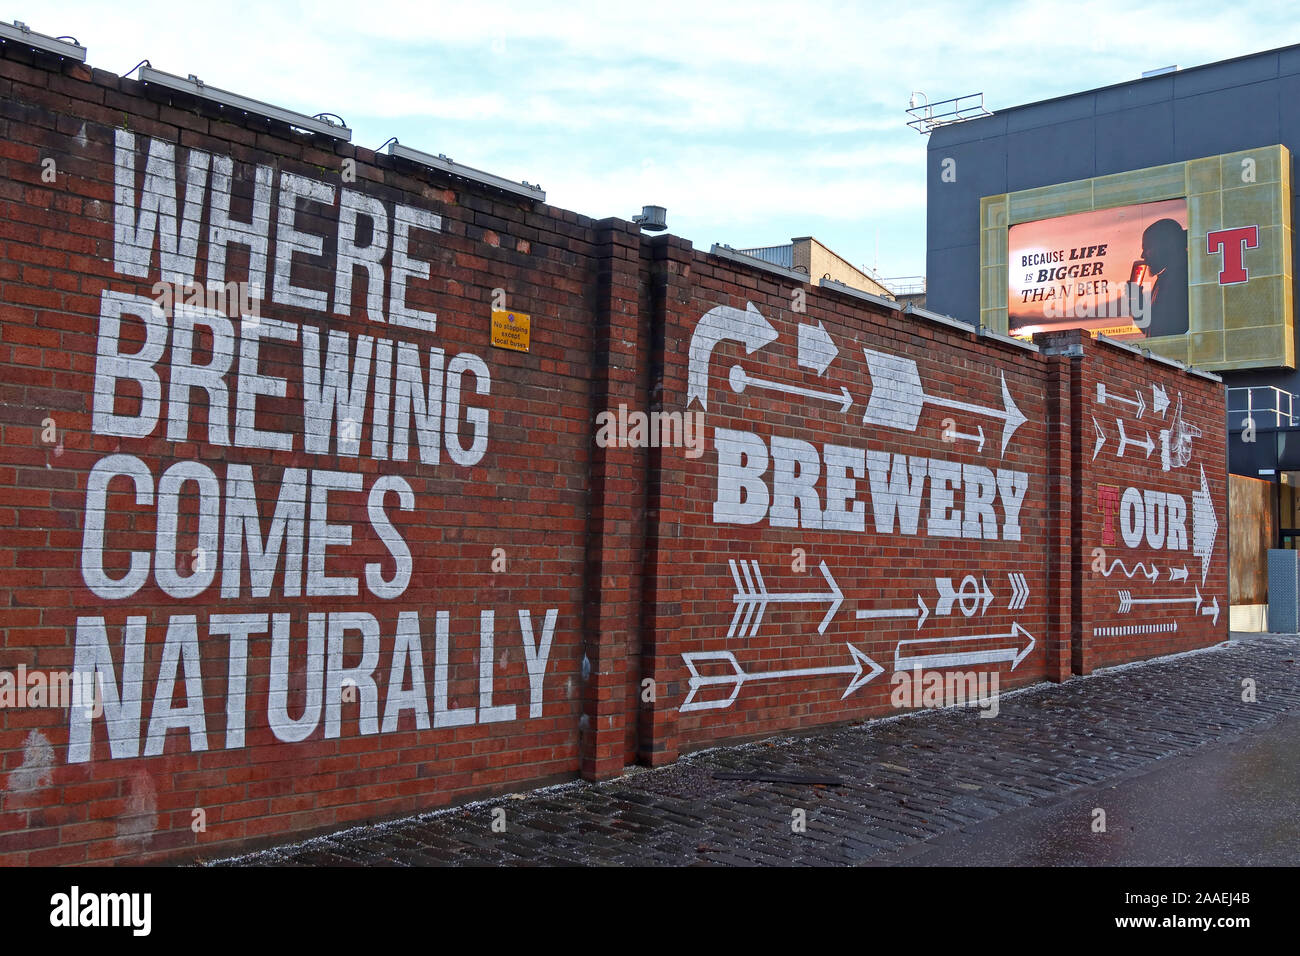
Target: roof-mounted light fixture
652,219
826,282
447,165
319,124
66,47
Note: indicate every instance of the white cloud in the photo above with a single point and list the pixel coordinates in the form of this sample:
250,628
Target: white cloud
757,117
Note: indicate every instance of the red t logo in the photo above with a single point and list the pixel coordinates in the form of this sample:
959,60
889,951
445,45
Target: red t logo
1234,243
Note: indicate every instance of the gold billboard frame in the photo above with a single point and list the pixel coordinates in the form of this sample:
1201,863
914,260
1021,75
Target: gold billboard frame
1251,325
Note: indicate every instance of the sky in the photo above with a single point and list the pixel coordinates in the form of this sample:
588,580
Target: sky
751,122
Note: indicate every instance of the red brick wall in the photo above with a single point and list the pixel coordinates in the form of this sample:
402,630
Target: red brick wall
875,571
1152,528
526,493
470,558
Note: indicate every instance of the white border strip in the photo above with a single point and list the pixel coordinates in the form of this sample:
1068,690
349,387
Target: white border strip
735,255
196,87
1162,359
941,319
837,286
1008,339
39,41
443,164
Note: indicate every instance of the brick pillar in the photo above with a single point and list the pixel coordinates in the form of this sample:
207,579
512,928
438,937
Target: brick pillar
1068,651
1062,459
617,505
1081,640
667,290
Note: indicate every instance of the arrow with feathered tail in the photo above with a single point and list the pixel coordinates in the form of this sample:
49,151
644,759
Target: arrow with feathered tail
897,398
752,598
1127,600
861,670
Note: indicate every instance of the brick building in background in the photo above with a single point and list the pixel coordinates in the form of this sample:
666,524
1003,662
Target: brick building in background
333,555
806,255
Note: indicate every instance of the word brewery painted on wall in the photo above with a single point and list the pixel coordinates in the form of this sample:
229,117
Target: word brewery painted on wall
280,389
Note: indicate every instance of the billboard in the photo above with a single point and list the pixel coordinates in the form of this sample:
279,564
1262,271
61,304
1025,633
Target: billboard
1121,272
1192,258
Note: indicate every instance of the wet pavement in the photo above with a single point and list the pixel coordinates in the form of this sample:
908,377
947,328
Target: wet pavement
1186,771
1230,804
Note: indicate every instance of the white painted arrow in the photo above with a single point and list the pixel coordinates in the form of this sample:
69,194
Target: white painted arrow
920,612
739,378
897,398
1212,609
1159,400
971,590
862,670
1127,600
1125,441
951,434
816,348
1140,403
752,598
962,658
747,327
1179,574
1101,439
1151,574
1019,591
1205,525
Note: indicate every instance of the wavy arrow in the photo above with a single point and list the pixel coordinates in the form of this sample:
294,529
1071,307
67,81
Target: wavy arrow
747,326
1151,574
862,670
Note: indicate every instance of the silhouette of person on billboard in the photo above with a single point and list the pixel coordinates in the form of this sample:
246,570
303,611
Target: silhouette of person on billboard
1164,249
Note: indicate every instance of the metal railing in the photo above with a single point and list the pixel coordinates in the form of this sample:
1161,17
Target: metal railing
904,285
1266,405
959,109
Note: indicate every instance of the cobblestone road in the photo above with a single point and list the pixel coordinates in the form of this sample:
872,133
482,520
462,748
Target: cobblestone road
905,781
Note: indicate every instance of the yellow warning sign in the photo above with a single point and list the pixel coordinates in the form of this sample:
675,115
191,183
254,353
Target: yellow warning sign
510,330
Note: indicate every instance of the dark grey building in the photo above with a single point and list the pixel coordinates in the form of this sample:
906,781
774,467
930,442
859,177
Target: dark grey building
1238,104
